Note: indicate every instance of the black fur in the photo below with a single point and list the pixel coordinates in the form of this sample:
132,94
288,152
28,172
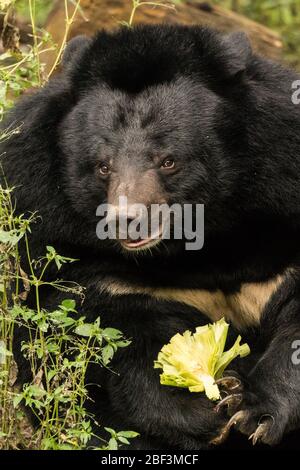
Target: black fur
227,118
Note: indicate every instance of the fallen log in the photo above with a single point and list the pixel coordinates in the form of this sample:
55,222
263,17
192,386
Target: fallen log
107,14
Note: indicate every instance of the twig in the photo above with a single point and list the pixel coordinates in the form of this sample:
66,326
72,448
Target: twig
138,3
69,22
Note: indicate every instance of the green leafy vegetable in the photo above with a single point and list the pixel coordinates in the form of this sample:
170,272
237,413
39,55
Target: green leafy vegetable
196,361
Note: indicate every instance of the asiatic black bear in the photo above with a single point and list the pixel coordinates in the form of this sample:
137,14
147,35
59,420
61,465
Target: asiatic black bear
174,115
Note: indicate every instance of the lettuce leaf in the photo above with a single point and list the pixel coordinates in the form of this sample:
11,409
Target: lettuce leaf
196,361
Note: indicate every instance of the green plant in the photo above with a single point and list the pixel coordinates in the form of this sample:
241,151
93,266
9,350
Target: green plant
22,68
60,345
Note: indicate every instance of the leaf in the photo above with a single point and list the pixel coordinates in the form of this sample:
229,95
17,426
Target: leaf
195,361
52,373
112,444
128,434
17,400
123,344
10,238
23,313
68,304
85,330
112,333
36,391
123,440
107,354
111,431
67,321
43,325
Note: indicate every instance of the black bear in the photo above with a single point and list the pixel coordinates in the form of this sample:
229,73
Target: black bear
173,115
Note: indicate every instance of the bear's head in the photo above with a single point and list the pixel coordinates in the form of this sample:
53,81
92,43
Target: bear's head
157,119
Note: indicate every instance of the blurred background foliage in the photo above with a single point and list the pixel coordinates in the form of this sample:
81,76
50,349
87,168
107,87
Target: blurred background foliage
280,15
42,7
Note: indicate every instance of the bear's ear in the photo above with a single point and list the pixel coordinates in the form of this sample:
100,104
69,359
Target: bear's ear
235,54
74,50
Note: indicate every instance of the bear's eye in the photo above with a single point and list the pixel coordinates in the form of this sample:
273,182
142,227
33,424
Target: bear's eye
104,169
168,164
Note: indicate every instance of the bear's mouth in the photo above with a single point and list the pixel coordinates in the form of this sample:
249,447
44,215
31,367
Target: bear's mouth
143,243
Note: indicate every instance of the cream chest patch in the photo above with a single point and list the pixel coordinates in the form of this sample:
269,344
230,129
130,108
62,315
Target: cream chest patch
243,308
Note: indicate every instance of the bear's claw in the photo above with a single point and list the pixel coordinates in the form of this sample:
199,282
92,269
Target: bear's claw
229,383
231,401
235,419
245,420
265,424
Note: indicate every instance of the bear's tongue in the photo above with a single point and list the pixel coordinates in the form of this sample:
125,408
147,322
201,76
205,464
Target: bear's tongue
141,242
136,243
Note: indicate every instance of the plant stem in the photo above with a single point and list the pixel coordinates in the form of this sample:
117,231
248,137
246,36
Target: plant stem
137,3
35,38
69,22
